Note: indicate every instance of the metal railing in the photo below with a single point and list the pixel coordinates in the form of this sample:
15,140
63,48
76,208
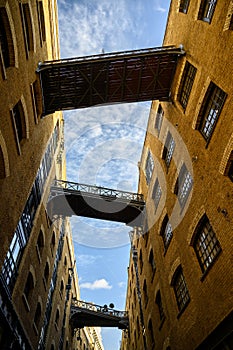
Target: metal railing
129,53
98,308
98,191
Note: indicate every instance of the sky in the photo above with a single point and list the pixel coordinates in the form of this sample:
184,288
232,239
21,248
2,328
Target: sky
103,144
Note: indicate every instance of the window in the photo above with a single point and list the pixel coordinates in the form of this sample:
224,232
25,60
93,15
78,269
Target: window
206,245
159,119
27,27
57,317
168,149
166,232
180,289
145,293
40,12
158,301
61,288
53,241
6,41
184,4
40,244
157,193
151,333
186,84
37,316
183,185
207,10
19,123
149,167
210,110
152,261
229,18
29,286
46,273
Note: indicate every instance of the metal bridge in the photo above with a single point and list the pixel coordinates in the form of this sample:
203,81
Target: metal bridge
69,198
87,314
128,76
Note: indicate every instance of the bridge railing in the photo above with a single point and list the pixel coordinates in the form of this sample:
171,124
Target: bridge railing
98,190
98,308
129,53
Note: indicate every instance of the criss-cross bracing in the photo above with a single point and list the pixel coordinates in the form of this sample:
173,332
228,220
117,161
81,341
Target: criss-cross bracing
69,198
88,314
118,77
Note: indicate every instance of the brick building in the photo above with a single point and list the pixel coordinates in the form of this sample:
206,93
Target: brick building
38,275
180,274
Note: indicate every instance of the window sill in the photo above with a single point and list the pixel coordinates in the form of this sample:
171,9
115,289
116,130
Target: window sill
153,275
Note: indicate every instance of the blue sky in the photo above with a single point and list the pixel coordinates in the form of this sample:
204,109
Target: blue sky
103,144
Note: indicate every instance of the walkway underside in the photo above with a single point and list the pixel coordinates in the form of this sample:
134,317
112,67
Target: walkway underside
91,315
130,76
68,198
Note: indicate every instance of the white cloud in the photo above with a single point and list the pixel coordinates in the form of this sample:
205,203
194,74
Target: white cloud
86,259
122,285
97,284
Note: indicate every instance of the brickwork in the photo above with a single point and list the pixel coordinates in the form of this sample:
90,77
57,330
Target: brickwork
209,49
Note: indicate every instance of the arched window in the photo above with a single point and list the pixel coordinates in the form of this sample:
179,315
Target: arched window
57,317
180,289
40,243
158,301
19,124
53,242
166,232
41,20
151,333
27,27
37,316
46,273
145,294
6,40
29,285
205,244
61,287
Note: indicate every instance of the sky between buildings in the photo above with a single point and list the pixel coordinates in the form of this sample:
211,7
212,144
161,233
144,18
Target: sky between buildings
104,144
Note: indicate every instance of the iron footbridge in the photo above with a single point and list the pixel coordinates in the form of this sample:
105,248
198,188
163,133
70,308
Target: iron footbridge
117,77
87,314
70,198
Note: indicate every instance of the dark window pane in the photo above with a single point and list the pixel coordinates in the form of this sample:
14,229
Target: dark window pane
186,84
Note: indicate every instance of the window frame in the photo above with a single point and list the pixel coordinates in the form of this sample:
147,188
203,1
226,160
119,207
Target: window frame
184,185
184,5
207,7
205,238
208,115
149,167
180,290
165,234
168,149
159,118
187,80
156,194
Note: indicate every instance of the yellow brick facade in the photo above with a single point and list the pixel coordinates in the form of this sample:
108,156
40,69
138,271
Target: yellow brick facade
38,274
205,321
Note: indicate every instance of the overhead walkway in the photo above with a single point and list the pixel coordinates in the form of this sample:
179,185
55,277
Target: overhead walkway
69,198
87,314
118,77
